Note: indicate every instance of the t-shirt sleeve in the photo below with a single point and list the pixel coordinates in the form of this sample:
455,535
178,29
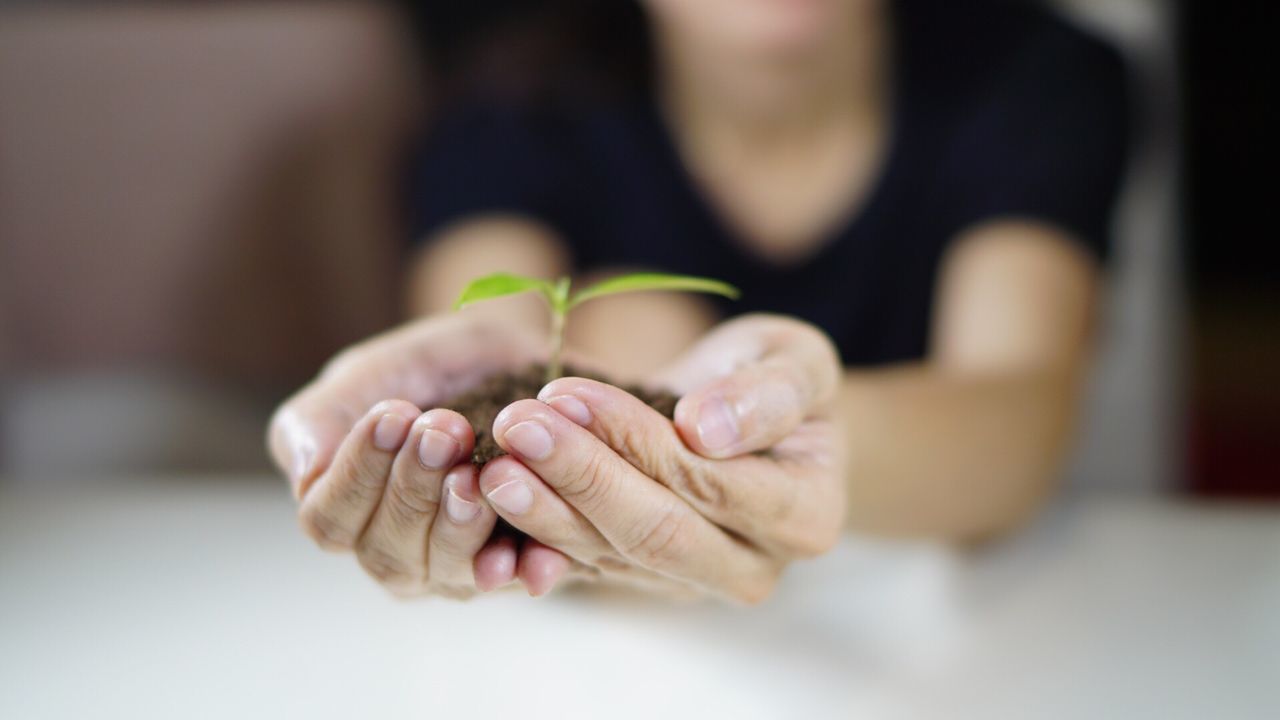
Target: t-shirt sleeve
1047,140
480,159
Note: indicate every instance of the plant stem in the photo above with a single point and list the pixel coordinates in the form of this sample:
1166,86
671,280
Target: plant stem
559,302
557,342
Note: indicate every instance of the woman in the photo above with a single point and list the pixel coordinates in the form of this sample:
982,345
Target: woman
917,192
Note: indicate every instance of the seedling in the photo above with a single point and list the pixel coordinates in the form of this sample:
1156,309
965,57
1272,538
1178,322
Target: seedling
561,301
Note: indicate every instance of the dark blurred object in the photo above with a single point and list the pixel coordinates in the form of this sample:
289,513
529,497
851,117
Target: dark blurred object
200,194
1233,262
533,49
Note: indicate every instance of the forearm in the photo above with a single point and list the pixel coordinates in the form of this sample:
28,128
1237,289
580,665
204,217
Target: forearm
958,456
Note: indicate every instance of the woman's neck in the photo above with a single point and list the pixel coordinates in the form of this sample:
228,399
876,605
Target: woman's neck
764,98
782,145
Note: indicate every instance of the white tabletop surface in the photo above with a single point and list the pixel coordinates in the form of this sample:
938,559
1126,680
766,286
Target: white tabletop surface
188,598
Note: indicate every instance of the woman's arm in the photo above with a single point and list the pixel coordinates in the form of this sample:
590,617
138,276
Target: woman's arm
966,444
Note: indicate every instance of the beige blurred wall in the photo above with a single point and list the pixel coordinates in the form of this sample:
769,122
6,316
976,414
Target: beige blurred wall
196,208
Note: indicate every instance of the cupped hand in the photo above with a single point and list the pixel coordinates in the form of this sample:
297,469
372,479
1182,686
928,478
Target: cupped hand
375,475
747,478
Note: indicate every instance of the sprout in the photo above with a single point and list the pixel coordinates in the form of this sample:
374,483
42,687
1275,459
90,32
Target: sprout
561,301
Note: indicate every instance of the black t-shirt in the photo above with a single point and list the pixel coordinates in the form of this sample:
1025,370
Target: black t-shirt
999,110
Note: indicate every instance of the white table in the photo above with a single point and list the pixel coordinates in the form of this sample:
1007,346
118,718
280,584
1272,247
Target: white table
189,599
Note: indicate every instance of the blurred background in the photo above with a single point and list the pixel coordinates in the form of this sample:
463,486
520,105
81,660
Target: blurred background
200,202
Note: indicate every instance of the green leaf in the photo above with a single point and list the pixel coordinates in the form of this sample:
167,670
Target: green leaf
654,281
499,284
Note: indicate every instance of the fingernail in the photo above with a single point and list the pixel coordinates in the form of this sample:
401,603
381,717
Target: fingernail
717,425
389,433
436,450
512,497
572,408
529,439
459,509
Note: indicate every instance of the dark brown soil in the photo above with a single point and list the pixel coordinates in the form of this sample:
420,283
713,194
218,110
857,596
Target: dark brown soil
482,403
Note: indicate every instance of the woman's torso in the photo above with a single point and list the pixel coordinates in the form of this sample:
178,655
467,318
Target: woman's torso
997,111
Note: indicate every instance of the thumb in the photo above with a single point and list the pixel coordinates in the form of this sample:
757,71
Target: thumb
762,401
305,431
302,440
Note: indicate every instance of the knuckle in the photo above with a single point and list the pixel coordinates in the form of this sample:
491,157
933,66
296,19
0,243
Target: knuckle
412,500
662,542
588,485
324,529
367,473
697,483
628,441
449,546
637,447
386,568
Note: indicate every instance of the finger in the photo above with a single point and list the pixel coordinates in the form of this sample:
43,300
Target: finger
345,497
749,411
423,362
393,549
772,501
541,567
528,505
461,530
751,383
727,347
495,564
644,521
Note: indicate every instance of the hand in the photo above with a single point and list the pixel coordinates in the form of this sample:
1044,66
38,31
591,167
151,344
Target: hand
747,478
389,482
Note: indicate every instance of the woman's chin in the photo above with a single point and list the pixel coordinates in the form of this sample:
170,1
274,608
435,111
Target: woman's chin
757,27
778,29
